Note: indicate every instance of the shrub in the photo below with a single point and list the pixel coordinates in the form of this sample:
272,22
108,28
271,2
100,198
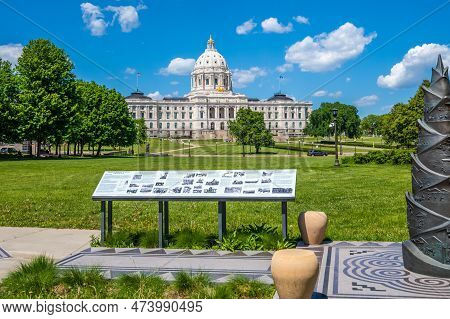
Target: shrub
31,280
395,157
139,286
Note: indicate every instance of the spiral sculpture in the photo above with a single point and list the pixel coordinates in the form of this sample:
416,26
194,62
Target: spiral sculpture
428,207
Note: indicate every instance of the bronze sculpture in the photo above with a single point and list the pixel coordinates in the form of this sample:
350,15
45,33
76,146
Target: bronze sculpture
428,207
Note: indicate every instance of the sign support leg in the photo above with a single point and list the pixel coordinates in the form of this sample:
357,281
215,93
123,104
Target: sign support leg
161,224
166,220
102,221
110,221
284,219
222,219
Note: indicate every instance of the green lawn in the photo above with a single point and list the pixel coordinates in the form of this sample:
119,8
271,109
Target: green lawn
363,202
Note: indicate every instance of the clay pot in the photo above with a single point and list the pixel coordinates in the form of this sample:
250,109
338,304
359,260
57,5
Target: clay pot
313,226
294,273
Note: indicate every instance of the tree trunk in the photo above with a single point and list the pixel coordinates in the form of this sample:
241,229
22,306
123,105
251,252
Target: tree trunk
99,149
59,150
82,147
38,149
243,150
74,148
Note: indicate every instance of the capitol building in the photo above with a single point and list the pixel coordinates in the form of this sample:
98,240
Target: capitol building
204,112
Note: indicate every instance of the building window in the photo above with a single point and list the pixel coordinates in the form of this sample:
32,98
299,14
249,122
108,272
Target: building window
150,115
183,115
221,113
213,126
276,124
276,115
175,125
151,125
270,125
269,115
201,114
222,126
286,124
285,115
160,115
190,125
175,115
168,115
212,113
293,124
142,115
168,125
190,115
201,124
207,81
299,114
183,125
167,108
231,113
133,115
292,115
216,81
160,125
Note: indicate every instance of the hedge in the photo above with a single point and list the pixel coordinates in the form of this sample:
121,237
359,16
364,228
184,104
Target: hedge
395,157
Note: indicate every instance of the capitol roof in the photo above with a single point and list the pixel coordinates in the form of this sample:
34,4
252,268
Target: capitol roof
280,97
210,58
138,95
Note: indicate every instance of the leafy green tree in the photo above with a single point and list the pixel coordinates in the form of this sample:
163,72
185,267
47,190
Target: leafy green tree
47,88
348,120
8,103
400,124
371,124
248,129
109,120
141,132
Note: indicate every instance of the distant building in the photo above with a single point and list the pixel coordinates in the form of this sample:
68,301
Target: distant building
204,112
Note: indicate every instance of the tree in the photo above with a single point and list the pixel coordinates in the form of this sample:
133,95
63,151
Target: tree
371,124
249,129
400,124
141,132
348,120
47,87
8,103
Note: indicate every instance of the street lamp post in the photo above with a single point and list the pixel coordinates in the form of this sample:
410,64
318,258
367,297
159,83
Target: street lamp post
336,158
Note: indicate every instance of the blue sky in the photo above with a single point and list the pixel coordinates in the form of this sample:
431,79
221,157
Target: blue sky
370,54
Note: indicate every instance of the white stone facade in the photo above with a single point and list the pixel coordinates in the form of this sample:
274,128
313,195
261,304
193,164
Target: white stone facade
206,110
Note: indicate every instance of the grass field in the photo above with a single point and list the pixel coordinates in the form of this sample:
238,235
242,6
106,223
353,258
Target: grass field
363,202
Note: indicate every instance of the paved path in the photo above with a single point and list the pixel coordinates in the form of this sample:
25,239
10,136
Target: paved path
21,244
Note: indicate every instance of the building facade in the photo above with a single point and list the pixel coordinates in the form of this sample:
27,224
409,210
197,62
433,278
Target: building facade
205,111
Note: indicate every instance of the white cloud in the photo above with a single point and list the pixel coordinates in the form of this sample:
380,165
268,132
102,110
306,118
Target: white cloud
322,93
271,25
178,66
367,100
155,95
93,18
130,70
11,52
348,79
246,27
127,16
241,78
301,19
287,67
415,66
328,51
335,94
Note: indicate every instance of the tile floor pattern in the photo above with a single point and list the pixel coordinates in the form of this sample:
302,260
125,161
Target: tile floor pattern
347,269
3,253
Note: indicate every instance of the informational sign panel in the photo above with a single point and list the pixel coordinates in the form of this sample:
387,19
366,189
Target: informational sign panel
197,185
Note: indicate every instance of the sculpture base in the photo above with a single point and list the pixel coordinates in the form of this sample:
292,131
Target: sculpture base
416,261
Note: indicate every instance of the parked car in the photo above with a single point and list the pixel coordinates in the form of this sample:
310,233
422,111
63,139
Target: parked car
317,153
8,150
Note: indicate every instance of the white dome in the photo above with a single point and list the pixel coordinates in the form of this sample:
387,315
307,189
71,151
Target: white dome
211,73
210,58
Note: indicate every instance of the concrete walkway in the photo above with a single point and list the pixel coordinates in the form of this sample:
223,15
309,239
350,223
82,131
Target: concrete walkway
21,244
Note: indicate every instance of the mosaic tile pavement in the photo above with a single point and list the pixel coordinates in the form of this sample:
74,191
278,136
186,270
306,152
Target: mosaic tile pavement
3,253
373,270
347,269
